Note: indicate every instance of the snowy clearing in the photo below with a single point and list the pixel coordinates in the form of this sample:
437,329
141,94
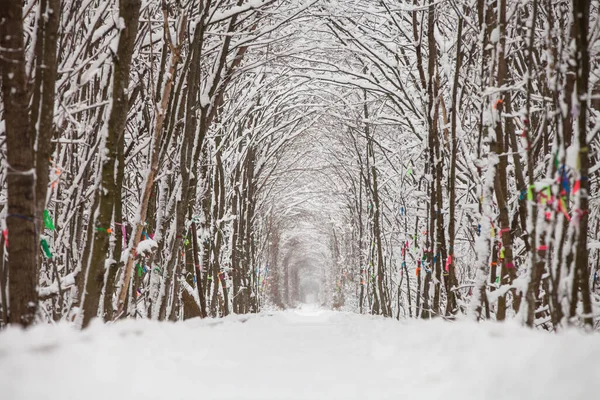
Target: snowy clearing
299,354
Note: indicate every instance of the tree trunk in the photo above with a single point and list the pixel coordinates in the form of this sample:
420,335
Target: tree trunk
45,82
24,227
581,15
129,10
451,281
157,134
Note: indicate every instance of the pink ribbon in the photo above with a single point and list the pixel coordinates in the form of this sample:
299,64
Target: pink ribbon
123,233
448,262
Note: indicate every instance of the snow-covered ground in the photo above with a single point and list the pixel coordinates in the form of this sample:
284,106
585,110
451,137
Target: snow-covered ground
299,354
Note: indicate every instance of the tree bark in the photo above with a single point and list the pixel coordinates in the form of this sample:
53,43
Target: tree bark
45,82
129,10
581,15
24,226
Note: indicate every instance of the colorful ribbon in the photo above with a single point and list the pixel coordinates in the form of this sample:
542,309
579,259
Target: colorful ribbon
48,220
448,262
46,248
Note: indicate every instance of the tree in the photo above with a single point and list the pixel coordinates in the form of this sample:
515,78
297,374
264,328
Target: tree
129,11
23,224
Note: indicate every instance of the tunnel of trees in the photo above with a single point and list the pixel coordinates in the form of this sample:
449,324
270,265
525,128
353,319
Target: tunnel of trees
172,159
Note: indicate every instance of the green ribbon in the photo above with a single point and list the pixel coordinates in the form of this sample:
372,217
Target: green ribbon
139,270
48,220
46,248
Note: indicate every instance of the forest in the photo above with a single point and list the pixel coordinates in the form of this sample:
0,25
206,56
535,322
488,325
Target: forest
414,159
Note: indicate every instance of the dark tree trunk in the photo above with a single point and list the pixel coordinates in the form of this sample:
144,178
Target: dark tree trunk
451,281
45,83
22,223
581,15
129,10
199,283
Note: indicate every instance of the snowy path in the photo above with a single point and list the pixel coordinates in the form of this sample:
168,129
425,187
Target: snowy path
302,354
